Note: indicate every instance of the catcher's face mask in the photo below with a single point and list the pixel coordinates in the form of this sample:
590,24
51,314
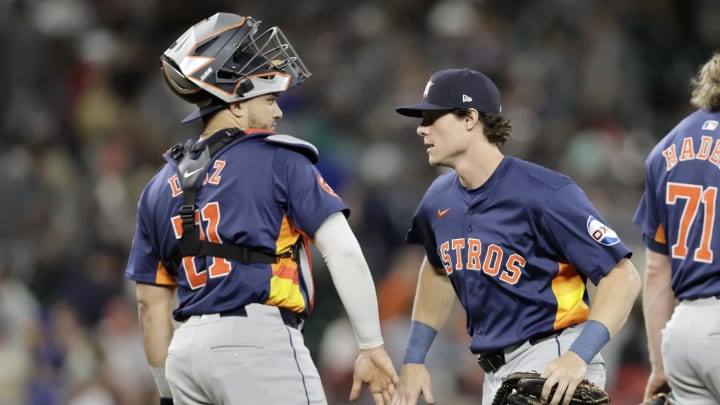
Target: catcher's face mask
223,59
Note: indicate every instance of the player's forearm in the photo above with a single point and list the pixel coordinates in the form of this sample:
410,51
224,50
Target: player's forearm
434,297
351,277
658,302
433,303
615,296
357,293
155,315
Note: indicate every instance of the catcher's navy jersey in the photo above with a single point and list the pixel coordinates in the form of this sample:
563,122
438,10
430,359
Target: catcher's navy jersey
518,250
678,212
256,193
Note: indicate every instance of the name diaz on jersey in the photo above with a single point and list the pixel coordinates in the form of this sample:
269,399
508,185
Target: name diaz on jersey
212,177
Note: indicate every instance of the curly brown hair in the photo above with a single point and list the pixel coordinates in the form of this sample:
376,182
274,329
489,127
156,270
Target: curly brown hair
706,85
496,127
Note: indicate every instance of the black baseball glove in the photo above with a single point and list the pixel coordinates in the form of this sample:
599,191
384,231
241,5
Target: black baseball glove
526,389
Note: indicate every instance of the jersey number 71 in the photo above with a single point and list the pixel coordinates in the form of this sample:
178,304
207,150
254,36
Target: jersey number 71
694,195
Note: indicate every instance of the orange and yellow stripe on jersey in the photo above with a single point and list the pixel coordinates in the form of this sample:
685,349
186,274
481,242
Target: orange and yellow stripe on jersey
285,285
569,289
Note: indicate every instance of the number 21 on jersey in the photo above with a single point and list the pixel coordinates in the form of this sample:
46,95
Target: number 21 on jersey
209,214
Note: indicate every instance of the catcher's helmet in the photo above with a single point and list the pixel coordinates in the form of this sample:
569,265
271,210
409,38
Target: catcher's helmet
222,60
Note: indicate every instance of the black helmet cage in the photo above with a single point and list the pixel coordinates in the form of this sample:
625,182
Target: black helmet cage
231,63
274,55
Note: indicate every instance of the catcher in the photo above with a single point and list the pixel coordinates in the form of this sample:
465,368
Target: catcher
227,223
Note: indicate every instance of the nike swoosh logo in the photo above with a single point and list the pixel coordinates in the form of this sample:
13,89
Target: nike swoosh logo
442,213
188,174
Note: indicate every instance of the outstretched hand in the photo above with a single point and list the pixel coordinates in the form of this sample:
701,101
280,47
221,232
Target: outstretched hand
374,368
414,381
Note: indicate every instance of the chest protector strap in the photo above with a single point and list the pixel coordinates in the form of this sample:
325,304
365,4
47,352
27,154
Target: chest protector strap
192,172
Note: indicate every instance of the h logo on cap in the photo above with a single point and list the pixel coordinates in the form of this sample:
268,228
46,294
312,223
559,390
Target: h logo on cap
466,98
427,89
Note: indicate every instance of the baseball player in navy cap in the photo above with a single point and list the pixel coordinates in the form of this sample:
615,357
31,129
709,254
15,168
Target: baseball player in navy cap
515,243
227,223
679,216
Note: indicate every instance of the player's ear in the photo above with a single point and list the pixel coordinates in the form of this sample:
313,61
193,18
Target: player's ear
472,118
237,109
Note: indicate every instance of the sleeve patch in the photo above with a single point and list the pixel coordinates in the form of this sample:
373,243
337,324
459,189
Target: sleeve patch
601,233
326,187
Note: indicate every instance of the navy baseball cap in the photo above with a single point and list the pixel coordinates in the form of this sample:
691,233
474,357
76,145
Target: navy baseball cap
456,88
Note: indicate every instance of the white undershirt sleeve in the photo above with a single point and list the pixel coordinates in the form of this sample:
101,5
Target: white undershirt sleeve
351,275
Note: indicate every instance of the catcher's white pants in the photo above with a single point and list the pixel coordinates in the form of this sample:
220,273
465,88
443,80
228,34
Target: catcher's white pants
691,352
237,360
527,357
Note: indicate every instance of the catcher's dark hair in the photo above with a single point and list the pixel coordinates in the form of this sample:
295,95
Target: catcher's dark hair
496,127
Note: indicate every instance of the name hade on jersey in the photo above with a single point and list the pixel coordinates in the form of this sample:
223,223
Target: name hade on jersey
694,149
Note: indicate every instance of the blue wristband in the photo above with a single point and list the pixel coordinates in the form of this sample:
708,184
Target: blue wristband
421,337
592,338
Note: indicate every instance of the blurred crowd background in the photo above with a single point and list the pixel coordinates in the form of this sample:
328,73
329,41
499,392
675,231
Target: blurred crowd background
590,86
